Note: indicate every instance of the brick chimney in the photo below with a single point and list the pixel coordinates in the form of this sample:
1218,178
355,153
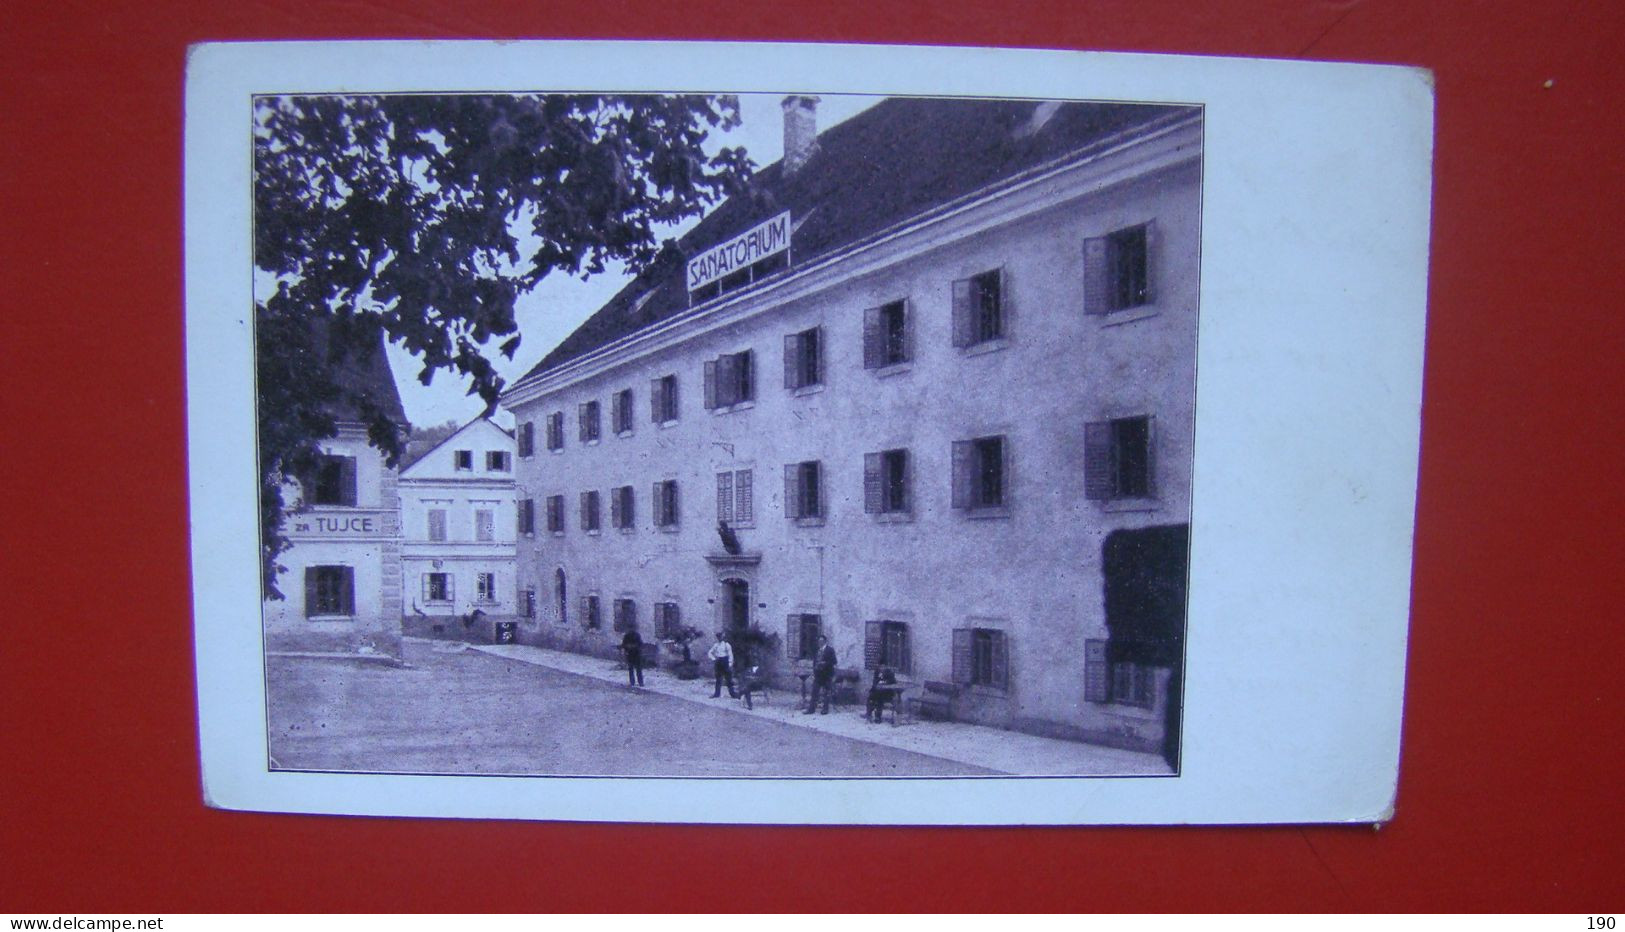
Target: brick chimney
800,131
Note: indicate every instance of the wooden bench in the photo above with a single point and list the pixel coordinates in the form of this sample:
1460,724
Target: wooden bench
937,697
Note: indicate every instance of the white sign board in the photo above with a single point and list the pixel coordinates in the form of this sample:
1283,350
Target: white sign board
765,239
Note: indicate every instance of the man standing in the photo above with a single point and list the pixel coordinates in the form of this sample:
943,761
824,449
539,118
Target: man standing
823,677
632,647
722,659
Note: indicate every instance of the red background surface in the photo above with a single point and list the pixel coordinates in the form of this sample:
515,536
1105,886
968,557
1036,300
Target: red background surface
1509,794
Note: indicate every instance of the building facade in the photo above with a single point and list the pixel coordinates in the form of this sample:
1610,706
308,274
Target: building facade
458,526
341,587
949,427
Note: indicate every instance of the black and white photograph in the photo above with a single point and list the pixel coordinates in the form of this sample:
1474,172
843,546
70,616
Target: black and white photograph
874,462
822,418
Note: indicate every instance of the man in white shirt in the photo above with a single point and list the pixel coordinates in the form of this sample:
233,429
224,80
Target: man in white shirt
722,658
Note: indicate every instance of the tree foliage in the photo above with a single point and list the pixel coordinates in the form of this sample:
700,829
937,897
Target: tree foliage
420,219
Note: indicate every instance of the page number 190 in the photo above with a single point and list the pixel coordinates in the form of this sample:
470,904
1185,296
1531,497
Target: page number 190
1599,922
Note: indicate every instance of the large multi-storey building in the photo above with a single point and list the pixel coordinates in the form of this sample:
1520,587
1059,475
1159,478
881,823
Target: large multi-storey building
341,586
926,389
458,525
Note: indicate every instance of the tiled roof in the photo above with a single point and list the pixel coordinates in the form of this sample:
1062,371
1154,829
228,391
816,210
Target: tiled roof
897,160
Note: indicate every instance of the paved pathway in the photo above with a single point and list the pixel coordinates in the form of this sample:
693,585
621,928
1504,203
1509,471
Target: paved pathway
990,749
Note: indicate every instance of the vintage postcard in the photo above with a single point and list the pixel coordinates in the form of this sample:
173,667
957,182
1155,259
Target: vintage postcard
802,434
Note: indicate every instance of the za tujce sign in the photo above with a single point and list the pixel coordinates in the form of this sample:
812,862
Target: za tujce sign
765,239
336,525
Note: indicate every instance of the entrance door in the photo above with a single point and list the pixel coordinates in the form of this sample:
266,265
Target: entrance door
737,614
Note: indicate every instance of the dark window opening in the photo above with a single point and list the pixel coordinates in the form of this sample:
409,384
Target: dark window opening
463,460
1118,460
330,590
497,461
894,334
894,480
334,481
1126,268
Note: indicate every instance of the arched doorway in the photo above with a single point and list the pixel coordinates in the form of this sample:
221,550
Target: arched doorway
558,589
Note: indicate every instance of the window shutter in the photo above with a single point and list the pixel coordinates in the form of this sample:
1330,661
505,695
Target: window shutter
1153,260
586,609
555,521
1095,683
964,308
792,490
1150,455
657,404
310,591
425,587
962,473
792,360
871,483
629,508
908,329
792,637
1095,275
527,516
615,507
584,525
615,415
962,656
744,506
674,617
1007,303
725,496
347,481
905,659
710,384
451,588
581,422
1098,482
1006,476
1001,661
871,644
873,338
657,505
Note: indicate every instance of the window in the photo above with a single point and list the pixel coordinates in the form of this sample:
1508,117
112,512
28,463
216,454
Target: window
801,632
981,658
663,399
886,335
885,482
485,586
527,516
664,503
555,430
555,514
437,587
626,615
621,512
334,482
485,525
729,380
589,511
1117,459
528,602
1134,684
668,620
463,460
802,491
329,590
980,473
497,461
437,524
589,612
979,308
1117,270
620,411
735,503
527,439
885,644
587,421
802,365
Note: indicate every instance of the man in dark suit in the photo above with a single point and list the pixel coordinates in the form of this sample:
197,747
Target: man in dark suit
632,646
823,677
